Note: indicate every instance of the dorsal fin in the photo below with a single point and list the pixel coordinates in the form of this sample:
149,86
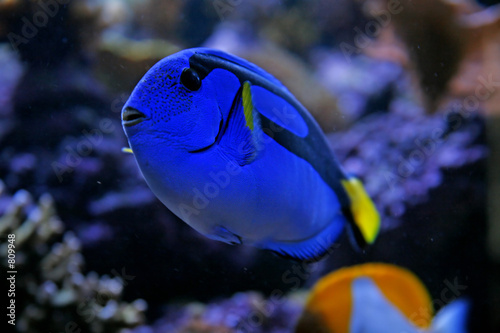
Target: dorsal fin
226,57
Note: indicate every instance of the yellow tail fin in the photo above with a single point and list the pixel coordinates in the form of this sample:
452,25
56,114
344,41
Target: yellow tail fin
364,212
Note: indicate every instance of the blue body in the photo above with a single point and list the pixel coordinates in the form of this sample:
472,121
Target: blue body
266,178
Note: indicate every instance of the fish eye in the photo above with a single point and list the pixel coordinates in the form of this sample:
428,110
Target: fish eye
190,79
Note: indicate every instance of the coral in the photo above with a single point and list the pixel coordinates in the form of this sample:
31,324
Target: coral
51,291
243,312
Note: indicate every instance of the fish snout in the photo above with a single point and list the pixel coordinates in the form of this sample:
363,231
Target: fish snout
131,116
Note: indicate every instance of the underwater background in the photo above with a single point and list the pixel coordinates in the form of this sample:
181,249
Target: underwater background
406,92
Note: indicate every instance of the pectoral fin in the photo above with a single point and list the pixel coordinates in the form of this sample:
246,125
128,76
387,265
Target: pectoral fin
241,136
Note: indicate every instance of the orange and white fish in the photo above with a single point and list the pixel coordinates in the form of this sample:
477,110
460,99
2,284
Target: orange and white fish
377,298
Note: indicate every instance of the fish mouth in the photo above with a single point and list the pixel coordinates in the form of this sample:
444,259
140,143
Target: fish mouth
131,116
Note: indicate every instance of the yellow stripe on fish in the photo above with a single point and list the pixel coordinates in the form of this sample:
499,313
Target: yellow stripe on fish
248,105
127,150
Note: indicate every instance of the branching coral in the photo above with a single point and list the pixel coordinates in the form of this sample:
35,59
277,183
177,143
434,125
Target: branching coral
51,291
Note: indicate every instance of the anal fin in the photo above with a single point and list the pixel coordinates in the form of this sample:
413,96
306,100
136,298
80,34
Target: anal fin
222,234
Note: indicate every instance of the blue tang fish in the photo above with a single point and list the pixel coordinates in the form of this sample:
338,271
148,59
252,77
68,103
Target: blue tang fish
230,151
378,298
